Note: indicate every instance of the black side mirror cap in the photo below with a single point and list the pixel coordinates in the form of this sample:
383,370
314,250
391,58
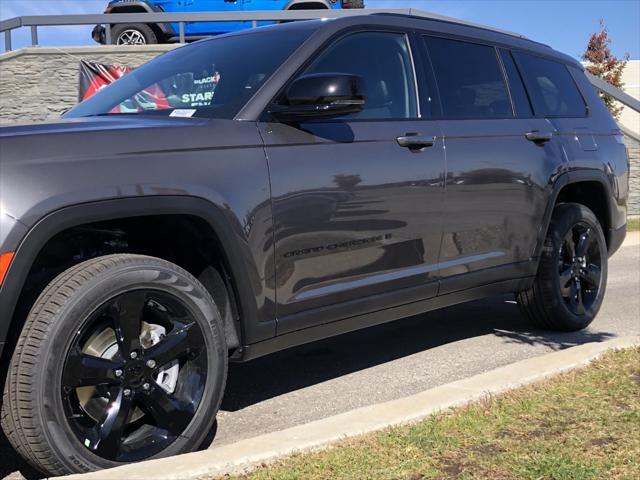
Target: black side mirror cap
322,95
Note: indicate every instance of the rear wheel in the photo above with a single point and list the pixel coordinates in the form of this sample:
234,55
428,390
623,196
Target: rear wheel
570,285
122,359
133,34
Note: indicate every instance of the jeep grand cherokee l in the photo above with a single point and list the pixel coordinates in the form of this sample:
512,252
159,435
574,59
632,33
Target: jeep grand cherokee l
212,207
142,34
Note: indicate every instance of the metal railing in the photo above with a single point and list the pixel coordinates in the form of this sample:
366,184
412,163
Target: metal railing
622,97
107,20
619,95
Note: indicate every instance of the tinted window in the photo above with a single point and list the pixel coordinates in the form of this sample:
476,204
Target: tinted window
553,92
384,62
469,79
214,78
516,87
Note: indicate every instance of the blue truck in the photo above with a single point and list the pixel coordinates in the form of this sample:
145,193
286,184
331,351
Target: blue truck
143,34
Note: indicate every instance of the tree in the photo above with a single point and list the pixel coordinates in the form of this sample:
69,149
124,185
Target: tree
602,63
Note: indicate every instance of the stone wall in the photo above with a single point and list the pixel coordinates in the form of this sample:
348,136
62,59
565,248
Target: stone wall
634,184
40,83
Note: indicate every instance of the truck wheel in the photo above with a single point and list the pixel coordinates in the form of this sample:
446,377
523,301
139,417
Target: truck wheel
122,358
572,276
133,34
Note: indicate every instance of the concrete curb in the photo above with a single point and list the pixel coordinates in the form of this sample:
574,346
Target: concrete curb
241,456
632,240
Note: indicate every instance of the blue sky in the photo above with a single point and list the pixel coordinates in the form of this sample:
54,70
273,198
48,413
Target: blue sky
563,24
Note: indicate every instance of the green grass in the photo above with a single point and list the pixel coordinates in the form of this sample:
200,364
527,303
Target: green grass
581,425
633,224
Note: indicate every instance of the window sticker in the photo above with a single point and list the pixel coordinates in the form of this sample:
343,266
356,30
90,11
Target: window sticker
183,112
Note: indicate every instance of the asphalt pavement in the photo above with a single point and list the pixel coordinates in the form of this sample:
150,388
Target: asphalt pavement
398,359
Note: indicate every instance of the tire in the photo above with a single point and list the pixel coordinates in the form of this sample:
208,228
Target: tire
46,409
133,34
575,247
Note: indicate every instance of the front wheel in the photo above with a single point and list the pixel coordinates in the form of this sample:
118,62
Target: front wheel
122,358
569,288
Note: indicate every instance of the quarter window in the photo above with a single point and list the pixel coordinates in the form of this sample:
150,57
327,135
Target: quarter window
384,62
553,92
469,79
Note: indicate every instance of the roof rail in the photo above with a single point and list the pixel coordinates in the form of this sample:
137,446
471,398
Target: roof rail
417,13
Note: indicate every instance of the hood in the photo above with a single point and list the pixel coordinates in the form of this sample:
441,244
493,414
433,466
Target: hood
105,136
101,123
50,165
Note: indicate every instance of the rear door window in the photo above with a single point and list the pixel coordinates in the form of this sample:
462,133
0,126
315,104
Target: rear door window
516,87
551,87
469,79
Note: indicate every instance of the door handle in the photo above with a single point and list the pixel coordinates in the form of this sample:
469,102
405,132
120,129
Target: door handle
415,141
538,137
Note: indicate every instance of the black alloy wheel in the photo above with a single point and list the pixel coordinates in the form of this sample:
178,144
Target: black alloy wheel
571,281
122,358
580,269
134,375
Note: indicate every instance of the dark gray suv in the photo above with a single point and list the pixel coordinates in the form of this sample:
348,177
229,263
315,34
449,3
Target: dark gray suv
264,189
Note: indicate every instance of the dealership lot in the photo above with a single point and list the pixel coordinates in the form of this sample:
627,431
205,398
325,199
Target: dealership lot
398,359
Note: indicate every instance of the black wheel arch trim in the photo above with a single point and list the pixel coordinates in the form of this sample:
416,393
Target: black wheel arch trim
119,6
253,328
573,177
166,28
293,3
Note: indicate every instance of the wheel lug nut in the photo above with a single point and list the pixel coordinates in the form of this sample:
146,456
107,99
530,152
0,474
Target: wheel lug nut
127,392
146,386
151,363
133,355
118,373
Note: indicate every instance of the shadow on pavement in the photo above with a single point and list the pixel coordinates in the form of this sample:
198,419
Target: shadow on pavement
310,364
557,341
300,367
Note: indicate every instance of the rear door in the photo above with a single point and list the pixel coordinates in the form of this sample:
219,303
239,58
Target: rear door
555,96
357,217
499,161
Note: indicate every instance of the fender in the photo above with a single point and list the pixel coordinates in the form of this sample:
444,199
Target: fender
254,328
572,177
141,6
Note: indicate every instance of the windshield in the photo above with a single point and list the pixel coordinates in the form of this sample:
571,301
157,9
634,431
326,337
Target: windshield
212,79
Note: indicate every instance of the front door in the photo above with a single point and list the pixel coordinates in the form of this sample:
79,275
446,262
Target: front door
357,216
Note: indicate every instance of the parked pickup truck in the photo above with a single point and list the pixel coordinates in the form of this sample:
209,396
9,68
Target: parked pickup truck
144,34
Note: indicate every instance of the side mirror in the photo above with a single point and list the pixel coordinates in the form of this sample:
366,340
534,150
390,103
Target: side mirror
323,95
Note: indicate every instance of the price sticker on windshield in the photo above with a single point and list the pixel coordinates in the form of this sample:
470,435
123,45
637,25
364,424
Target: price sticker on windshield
183,112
